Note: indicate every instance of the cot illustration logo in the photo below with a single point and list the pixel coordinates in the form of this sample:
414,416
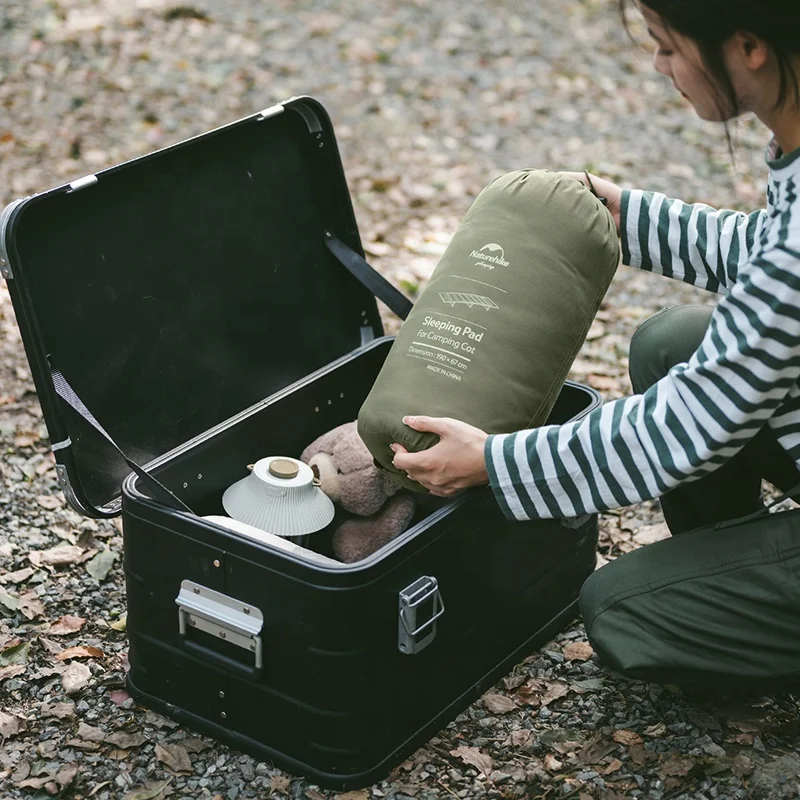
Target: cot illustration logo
490,256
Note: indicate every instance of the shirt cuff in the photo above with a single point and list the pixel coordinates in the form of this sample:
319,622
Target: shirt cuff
499,480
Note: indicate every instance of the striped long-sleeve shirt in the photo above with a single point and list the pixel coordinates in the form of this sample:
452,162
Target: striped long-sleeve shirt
744,375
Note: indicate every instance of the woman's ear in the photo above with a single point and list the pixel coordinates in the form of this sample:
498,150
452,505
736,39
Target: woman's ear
752,49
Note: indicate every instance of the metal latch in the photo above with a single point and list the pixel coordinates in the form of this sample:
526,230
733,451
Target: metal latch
223,617
421,605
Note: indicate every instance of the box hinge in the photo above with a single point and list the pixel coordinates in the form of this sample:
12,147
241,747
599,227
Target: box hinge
83,183
222,616
64,484
272,111
420,605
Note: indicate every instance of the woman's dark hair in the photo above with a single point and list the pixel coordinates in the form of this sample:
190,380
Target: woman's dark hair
710,23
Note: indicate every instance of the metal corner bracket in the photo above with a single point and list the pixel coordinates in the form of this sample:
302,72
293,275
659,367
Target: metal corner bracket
5,221
272,111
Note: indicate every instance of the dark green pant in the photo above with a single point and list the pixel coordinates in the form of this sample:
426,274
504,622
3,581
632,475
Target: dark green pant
718,608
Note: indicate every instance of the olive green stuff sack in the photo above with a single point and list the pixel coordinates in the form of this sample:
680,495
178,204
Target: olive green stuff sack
493,335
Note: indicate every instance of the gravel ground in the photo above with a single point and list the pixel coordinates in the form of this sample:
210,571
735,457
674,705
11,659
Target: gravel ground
430,100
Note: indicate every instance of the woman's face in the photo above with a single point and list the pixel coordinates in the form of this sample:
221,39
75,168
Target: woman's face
679,58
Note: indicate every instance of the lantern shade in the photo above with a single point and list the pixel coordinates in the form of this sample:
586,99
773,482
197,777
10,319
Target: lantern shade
279,496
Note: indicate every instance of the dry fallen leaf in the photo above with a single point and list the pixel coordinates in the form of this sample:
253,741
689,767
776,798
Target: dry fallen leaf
11,725
195,745
659,729
11,671
554,690
638,755
596,749
537,692
126,740
101,564
81,651
90,733
577,651
35,783
742,765
676,765
612,767
628,738
18,576
15,653
551,763
66,625
157,721
75,677
746,725
89,747
361,794
513,681
498,703
66,775
59,710
147,792
522,738
56,556
649,534
280,783
50,501
119,624
475,758
174,756
8,600
30,606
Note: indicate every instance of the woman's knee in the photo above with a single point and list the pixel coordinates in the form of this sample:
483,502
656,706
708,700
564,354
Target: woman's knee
667,338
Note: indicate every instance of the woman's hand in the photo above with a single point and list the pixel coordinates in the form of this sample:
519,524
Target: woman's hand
604,188
455,463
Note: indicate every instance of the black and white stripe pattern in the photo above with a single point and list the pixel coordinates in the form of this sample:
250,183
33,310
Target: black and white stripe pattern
744,374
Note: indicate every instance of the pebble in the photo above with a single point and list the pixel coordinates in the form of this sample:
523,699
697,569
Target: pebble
558,658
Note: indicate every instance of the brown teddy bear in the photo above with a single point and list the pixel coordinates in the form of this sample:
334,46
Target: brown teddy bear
348,475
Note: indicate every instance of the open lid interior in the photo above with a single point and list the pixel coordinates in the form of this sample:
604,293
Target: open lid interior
185,286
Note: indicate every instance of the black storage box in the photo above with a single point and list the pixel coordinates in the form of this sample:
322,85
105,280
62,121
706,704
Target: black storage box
191,300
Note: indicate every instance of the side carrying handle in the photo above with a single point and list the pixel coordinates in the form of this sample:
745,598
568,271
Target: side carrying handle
762,512
369,276
157,489
224,618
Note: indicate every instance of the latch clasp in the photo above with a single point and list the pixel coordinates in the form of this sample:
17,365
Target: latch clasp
420,605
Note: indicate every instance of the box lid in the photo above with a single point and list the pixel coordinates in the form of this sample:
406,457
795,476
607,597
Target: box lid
179,288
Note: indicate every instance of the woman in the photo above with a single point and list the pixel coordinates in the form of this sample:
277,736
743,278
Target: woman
717,403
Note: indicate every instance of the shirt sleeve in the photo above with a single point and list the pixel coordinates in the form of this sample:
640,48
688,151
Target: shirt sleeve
694,243
687,424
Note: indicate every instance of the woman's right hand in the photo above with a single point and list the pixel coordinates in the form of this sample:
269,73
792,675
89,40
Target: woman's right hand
604,188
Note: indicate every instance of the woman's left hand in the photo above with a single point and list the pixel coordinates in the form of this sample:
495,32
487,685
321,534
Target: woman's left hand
453,464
